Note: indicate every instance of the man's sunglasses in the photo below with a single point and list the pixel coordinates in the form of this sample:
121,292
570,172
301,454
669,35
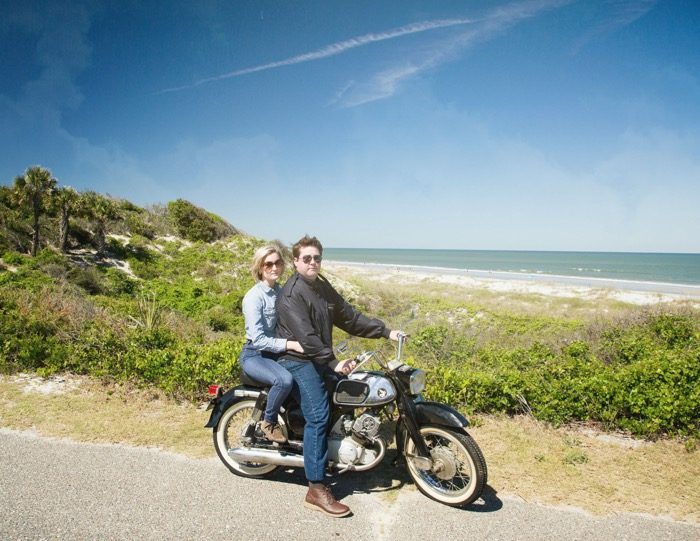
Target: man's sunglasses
307,258
276,263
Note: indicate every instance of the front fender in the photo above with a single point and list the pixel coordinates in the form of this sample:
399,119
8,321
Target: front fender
438,414
433,414
222,403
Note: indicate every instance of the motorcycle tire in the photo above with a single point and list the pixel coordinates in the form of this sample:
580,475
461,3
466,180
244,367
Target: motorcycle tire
228,435
459,473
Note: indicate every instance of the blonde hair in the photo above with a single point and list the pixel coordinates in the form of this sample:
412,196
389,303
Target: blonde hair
259,259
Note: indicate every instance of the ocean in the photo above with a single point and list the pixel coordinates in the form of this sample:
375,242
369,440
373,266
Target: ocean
624,266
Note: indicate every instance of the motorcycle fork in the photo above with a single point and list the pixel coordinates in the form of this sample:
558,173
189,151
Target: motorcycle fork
408,416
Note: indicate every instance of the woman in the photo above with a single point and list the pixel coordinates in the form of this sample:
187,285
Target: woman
259,356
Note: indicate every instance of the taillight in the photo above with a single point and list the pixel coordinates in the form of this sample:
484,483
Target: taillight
214,390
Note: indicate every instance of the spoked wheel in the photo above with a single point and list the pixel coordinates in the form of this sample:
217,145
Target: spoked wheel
458,474
230,433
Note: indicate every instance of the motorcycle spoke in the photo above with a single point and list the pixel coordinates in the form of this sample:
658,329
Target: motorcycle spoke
458,472
231,433
445,449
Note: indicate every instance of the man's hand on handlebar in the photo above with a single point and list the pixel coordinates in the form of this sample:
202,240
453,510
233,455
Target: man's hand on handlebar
395,334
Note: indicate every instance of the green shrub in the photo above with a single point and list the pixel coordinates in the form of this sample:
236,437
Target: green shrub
179,327
117,283
661,394
220,319
28,341
196,224
431,341
137,224
48,257
88,278
645,380
676,331
14,258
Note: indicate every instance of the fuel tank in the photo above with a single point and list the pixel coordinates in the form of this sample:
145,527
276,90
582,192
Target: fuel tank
363,389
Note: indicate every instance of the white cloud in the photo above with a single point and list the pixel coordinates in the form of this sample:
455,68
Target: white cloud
465,187
615,14
442,49
334,49
385,83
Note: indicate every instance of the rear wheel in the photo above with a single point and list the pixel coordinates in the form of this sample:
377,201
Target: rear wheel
230,433
458,473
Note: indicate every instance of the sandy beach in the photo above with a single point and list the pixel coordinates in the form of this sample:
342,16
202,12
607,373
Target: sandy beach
640,293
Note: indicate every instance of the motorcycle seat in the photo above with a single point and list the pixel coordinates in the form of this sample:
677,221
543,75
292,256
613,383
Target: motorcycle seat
247,380
330,379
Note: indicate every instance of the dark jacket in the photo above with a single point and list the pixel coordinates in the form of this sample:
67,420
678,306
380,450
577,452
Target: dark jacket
307,311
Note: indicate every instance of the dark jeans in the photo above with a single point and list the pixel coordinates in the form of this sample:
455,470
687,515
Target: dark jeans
266,370
313,397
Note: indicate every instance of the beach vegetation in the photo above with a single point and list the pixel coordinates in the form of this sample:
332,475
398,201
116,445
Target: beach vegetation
620,368
32,189
648,387
196,224
152,296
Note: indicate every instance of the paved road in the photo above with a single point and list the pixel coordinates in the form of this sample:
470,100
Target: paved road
57,489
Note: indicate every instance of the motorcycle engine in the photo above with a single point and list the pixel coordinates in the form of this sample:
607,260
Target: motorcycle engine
366,426
345,445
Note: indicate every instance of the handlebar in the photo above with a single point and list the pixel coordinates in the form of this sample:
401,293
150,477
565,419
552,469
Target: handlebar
402,340
365,356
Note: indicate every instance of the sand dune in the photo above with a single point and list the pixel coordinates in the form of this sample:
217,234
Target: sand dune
641,293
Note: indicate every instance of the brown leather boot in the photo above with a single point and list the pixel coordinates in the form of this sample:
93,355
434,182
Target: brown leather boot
272,432
320,498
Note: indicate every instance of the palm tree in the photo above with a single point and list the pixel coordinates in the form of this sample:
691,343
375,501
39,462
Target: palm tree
101,210
65,201
32,187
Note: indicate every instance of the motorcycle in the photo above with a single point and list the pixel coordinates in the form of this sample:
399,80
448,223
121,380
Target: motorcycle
442,458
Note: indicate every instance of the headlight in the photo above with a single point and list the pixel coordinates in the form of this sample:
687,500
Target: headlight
413,378
416,384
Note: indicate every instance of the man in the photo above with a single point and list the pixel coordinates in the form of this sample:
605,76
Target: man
307,309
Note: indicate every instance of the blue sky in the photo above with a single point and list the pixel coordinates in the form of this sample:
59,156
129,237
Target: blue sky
532,125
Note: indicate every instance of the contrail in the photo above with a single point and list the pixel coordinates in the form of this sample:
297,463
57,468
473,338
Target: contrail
334,49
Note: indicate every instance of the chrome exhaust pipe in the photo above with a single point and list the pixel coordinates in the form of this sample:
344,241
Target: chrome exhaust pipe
295,460
266,456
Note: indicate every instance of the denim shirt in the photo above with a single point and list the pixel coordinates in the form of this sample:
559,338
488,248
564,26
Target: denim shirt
261,317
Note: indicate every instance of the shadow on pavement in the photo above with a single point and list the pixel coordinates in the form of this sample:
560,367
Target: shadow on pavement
488,503
385,478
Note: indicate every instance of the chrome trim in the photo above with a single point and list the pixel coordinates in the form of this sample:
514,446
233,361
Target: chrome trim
364,467
266,456
378,385
294,460
246,393
421,462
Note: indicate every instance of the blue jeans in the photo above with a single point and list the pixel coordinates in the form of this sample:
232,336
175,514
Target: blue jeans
313,397
266,370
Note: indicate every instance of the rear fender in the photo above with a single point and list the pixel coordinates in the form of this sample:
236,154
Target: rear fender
222,403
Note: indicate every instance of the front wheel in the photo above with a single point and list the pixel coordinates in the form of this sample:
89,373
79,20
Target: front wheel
458,473
230,432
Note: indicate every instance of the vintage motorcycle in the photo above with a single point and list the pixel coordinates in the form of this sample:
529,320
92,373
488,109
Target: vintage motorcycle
443,460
